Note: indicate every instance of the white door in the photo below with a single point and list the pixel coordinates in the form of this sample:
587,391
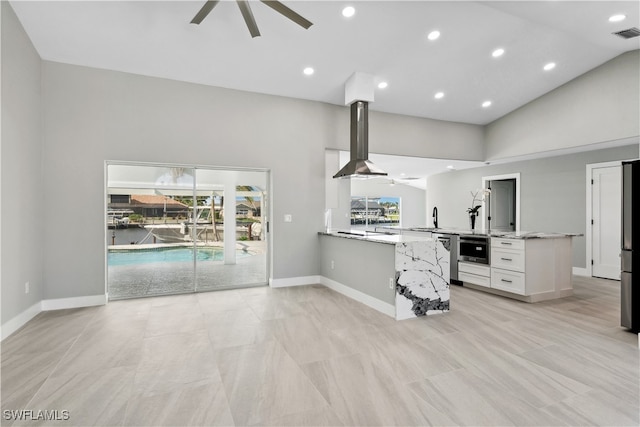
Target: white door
606,197
502,205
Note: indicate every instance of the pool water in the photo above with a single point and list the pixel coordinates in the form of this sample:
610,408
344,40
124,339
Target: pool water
142,256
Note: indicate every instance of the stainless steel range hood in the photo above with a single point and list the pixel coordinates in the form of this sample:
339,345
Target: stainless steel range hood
360,166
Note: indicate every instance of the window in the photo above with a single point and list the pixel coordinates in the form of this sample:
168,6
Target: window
371,211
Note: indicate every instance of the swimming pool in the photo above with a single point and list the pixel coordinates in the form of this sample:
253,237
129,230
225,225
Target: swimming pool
150,256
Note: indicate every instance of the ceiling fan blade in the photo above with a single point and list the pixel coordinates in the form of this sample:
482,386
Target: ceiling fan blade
208,7
245,9
284,10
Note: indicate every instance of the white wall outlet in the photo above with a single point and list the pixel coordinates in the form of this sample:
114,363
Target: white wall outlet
288,218
26,287
390,282
333,264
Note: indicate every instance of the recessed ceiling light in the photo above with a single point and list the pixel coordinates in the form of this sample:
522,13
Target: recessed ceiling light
382,85
433,35
550,66
450,167
497,53
438,95
486,104
348,11
617,18
308,71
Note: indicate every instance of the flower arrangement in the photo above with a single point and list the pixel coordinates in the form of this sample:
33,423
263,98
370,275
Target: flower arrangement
478,196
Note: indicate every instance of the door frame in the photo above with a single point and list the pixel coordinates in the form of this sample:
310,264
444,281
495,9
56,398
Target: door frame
515,176
588,271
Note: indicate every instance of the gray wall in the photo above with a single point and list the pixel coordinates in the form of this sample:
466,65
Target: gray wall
601,105
53,194
419,137
353,266
553,193
23,212
92,115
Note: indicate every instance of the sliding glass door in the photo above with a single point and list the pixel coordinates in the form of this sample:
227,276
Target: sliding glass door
236,233
175,229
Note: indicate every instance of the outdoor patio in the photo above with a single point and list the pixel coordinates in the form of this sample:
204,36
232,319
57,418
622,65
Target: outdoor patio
144,280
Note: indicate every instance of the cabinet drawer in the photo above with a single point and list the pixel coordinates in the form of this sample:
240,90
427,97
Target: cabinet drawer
509,281
478,269
517,244
508,259
475,279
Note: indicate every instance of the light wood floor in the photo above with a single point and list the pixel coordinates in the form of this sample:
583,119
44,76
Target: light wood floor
309,356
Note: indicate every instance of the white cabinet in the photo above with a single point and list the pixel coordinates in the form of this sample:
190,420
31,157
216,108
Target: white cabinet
526,269
516,244
477,274
510,281
508,259
508,265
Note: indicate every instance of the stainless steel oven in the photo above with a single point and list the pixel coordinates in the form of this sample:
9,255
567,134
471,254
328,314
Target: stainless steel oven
474,249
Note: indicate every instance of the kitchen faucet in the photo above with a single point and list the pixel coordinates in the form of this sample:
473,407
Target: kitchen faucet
435,217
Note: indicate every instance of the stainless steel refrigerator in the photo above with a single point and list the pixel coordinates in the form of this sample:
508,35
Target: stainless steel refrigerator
630,284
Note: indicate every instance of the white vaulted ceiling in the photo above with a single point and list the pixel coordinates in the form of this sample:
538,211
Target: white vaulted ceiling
387,39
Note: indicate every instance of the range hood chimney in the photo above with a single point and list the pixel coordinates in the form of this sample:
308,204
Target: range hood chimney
359,89
359,165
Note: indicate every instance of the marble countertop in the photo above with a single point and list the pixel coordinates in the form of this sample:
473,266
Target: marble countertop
369,236
490,233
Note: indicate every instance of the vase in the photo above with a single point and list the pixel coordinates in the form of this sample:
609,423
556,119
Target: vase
472,221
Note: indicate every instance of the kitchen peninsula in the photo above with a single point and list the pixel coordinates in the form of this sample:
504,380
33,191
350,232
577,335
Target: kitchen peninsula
528,266
405,272
401,276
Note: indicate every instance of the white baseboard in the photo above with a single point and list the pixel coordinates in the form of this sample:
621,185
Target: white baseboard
20,320
294,281
580,271
376,304
75,302
45,305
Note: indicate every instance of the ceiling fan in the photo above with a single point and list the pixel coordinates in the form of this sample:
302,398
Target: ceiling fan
245,9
